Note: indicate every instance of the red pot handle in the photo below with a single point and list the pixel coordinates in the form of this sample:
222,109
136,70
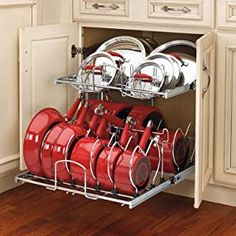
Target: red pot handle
102,128
177,57
125,135
146,135
143,77
71,112
82,115
97,69
116,54
93,123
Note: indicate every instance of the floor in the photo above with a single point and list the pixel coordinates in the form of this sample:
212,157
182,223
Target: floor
32,210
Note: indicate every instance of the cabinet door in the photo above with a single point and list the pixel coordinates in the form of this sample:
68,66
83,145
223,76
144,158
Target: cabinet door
225,146
45,54
12,16
204,114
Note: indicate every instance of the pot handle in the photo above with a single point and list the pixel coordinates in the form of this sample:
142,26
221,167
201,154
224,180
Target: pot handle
125,135
177,57
93,122
82,115
146,135
116,54
143,77
97,70
101,128
71,112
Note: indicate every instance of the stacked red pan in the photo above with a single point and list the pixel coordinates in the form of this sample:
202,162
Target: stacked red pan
111,141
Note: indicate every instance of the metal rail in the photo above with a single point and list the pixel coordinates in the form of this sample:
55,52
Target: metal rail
125,91
94,194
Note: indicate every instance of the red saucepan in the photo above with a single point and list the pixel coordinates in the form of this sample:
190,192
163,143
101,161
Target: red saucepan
87,150
43,121
64,144
108,157
176,150
133,168
51,138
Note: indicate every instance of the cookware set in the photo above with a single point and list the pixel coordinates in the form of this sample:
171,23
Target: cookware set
118,150
115,147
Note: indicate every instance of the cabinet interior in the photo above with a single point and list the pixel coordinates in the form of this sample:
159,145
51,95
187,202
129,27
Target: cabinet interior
178,111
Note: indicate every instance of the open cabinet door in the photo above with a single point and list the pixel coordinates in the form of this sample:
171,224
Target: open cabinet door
204,114
45,54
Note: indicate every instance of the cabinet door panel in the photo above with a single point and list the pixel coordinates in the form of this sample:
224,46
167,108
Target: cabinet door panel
225,148
45,54
204,114
226,13
9,106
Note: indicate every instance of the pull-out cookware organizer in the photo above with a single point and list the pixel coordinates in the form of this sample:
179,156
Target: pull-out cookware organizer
126,170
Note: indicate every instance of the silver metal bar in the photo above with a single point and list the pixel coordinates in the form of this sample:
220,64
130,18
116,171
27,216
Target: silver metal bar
121,87
105,195
172,181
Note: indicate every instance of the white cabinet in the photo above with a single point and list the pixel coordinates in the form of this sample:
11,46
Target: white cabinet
44,56
191,14
225,127
13,15
226,14
197,12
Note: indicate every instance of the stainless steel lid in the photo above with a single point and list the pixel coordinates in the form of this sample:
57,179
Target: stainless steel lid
186,50
146,80
98,69
131,49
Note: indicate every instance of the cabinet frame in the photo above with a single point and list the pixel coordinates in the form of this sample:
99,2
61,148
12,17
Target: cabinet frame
205,49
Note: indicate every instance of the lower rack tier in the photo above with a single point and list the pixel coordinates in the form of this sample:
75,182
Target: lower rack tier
93,194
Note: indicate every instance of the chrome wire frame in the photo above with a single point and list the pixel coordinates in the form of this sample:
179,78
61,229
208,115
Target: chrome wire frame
93,194
122,87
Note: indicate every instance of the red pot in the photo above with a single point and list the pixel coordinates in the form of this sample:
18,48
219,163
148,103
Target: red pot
133,169
51,138
107,160
176,150
64,144
41,123
87,150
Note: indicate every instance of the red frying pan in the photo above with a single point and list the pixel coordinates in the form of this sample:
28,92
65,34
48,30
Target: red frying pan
43,121
108,157
133,168
87,150
176,150
51,138
64,144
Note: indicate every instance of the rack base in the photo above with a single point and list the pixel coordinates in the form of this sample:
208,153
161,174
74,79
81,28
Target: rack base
93,194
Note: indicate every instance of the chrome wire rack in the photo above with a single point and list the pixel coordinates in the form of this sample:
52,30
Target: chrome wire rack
94,194
122,88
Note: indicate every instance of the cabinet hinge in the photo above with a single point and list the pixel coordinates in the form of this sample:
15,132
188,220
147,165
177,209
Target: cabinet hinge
77,50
